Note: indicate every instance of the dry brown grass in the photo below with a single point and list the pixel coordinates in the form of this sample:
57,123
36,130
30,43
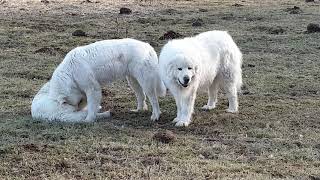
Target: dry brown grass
275,135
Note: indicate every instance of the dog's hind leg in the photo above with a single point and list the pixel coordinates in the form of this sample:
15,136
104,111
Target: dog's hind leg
231,87
152,95
213,93
150,89
141,97
94,96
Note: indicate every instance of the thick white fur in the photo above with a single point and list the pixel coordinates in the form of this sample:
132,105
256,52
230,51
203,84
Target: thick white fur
206,61
78,79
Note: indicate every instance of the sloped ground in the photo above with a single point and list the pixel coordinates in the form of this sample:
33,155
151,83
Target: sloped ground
274,136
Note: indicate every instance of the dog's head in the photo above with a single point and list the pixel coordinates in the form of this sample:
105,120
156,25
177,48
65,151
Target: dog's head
183,71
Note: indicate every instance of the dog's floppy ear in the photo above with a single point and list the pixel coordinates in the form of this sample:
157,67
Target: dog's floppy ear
196,69
170,69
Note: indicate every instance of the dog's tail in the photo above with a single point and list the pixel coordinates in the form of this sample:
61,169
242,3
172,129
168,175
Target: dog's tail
160,87
236,56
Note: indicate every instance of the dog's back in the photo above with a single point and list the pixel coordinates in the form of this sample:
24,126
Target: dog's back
222,43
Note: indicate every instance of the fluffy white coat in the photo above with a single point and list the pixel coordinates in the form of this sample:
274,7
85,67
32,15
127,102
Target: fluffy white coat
206,61
77,81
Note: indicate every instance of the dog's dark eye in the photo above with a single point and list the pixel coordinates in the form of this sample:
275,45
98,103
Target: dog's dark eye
189,68
180,69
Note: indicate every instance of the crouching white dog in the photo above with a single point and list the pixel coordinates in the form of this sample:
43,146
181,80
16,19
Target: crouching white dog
206,61
78,79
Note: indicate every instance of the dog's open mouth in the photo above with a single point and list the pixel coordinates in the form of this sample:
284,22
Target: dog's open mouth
184,85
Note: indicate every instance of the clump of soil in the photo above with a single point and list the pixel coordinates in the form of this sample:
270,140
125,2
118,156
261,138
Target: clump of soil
44,1
149,161
31,147
245,90
49,50
89,1
294,10
203,10
62,165
170,35
312,28
169,11
251,65
237,5
79,33
197,22
228,17
125,11
276,30
164,136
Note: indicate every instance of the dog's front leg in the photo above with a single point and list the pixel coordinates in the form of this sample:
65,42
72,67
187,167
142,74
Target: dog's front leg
187,101
178,99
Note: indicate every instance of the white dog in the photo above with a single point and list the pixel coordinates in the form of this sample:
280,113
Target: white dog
78,79
206,61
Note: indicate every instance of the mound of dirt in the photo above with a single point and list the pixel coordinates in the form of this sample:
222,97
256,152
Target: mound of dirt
237,5
149,161
294,10
170,35
44,1
276,30
313,28
169,11
164,136
62,165
125,11
203,10
251,65
197,22
79,33
89,1
50,50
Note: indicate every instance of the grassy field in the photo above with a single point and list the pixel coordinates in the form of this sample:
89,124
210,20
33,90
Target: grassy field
276,134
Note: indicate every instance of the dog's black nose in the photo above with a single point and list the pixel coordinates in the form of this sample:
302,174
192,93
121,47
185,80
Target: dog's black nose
186,79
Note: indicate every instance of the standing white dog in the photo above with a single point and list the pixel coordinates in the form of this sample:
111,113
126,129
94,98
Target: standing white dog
206,61
78,79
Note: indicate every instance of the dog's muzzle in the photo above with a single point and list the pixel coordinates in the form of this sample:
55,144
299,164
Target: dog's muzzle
182,84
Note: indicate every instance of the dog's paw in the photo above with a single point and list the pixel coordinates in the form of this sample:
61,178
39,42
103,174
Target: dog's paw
135,110
155,116
144,108
175,120
182,123
106,114
207,108
231,110
88,119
